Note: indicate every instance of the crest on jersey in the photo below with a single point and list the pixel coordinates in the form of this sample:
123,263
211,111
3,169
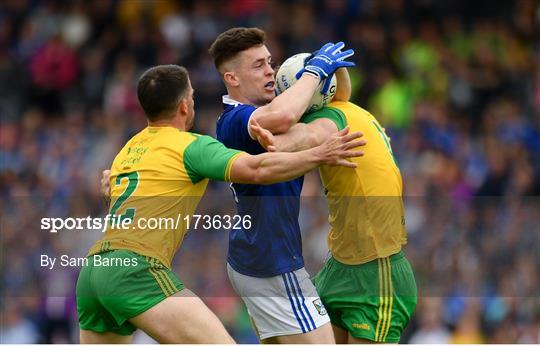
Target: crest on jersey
319,306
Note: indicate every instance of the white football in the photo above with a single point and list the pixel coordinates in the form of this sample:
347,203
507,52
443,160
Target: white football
286,77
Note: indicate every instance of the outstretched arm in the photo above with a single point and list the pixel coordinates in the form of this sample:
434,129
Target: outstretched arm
269,168
208,158
300,137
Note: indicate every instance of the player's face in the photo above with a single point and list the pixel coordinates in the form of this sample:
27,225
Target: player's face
256,75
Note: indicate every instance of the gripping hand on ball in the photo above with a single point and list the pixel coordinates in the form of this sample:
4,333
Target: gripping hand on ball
327,60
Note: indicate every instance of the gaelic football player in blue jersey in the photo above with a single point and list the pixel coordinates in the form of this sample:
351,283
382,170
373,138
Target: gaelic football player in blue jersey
265,263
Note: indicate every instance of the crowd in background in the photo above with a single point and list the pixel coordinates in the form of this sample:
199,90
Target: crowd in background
456,85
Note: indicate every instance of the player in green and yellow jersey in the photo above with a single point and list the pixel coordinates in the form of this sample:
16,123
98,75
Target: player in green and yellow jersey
163,172
367,285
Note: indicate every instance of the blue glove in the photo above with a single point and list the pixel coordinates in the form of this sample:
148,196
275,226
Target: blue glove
328,79
326,84
326,61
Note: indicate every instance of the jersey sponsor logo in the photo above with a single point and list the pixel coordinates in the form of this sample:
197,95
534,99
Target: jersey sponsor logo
363,326
319,306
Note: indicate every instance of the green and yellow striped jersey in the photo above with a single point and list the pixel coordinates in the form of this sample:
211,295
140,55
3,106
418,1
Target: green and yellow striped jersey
366,211
161,172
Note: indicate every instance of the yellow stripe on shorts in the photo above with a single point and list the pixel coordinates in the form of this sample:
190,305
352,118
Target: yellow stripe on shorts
386,300
390,297
166,279
381,302
157,269
158,277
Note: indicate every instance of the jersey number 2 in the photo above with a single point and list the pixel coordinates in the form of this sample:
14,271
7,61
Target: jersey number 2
133,182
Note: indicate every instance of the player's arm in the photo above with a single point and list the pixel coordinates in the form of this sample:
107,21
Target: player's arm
304,136
299,137
314,129
286,109
208,158
269,168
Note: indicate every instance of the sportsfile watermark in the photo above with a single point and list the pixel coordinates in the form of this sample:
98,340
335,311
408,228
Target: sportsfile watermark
119,222
481,243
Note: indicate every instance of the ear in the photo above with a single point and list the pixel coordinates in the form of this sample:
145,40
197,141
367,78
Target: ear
183,106
231,79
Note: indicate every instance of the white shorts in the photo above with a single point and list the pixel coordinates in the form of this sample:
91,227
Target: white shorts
286,304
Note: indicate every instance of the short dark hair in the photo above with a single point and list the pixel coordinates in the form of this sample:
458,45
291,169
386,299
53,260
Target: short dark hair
160,89
233,41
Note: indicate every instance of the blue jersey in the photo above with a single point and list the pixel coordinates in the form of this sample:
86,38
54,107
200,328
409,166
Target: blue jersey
273,244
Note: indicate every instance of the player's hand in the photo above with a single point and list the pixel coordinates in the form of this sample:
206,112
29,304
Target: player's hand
105,185
337,149
265,138
326,61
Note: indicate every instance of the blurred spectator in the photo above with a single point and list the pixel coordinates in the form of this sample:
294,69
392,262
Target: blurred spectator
120,93
468,328
76,26
431,329
15,328
54,69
